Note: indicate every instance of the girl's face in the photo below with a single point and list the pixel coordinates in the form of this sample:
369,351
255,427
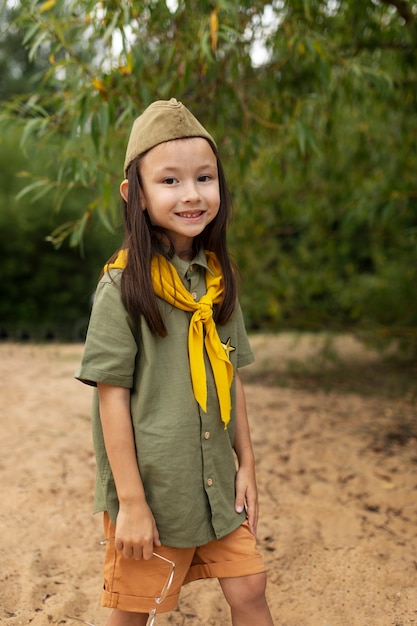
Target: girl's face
180,189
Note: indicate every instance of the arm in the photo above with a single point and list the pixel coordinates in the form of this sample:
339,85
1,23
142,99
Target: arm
136,531
246,489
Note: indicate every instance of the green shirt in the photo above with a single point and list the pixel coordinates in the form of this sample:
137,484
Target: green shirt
185,456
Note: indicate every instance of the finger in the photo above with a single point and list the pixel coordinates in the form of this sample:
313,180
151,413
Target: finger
138,553
239,500
156,540
252,516
127,551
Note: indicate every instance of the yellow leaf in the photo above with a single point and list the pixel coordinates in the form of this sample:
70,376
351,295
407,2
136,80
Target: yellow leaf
214,28
52,58
99,85
129,59
126,69
47,5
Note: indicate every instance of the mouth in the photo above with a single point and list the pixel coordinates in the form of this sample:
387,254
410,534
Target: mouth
190,215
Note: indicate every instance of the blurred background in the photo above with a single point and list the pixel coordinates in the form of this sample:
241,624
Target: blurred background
314,108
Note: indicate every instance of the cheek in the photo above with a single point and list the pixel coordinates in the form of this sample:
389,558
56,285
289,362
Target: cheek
213,198
216,201
214,209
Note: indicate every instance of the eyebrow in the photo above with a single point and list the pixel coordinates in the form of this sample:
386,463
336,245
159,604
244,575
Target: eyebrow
175,167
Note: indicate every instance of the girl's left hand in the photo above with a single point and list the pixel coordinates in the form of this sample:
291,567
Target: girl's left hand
247,496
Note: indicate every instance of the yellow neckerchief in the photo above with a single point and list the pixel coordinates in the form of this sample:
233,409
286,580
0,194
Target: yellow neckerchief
168,286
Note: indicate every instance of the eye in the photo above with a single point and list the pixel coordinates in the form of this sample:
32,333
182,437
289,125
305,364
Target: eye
170,180
204,179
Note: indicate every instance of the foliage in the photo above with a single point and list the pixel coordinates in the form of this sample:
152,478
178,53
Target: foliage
318,137
45,294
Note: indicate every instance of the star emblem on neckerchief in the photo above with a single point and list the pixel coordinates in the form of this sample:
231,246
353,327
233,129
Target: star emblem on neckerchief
228,348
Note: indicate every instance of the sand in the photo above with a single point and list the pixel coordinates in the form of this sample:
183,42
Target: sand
337,474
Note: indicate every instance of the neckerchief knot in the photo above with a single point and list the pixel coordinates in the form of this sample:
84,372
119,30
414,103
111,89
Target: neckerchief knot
205,310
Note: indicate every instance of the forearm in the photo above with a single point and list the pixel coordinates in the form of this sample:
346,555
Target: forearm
120,443
243,443
136,531
246,489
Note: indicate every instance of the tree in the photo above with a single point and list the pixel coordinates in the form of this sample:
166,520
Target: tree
19,74
45,294
317,139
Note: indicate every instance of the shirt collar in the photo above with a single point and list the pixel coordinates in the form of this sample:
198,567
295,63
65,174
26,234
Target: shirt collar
183,267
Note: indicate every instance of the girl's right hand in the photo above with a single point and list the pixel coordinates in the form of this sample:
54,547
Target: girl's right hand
136,531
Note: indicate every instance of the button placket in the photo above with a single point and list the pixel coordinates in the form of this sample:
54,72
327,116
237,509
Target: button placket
196,283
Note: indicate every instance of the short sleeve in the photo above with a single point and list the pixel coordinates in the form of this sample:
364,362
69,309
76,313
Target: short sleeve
245,354
110,347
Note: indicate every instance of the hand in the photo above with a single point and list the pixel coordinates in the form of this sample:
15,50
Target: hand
136,531
247,496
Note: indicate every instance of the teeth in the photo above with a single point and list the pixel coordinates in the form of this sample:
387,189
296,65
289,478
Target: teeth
190,214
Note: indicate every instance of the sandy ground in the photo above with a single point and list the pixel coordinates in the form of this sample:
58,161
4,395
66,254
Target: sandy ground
337,473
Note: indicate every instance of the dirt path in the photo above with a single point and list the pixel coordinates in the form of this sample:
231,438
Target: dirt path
337,473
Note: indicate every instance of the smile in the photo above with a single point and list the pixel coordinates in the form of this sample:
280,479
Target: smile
192,215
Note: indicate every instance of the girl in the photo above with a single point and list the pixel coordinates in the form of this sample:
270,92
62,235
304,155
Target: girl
164,344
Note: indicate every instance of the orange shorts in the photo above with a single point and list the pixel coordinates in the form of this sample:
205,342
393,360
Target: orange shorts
131,585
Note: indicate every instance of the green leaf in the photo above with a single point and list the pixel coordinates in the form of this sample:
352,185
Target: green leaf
30,33
104,118
301,134
104,219
42,185
78,231
29,130
109,30
95,131
39,40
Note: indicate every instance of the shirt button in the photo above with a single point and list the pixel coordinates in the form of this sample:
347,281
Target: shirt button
207,435
194,295
191,268
209,482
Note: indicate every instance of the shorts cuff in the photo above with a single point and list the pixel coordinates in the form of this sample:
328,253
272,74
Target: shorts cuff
112,600
228,569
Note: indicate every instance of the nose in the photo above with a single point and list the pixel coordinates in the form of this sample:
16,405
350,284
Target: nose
190,192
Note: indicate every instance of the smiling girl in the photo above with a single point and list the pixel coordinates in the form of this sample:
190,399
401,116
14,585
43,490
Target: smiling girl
175,465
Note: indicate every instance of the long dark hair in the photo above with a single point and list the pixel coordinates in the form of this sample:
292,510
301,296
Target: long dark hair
145,240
